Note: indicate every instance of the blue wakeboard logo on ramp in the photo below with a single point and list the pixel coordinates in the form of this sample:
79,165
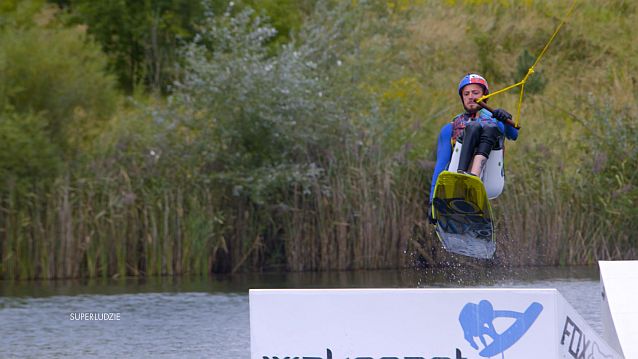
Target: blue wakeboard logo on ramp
477,320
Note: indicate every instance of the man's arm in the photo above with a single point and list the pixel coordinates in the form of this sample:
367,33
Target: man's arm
443,154
511,133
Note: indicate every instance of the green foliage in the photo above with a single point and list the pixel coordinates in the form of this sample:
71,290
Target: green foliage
254,118
54,94
19,13
56,73
612,146
26,151
140,37
305,143
487,65
143,38
536,82
286,16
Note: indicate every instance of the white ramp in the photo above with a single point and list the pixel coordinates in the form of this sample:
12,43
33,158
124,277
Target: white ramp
419,324
619,282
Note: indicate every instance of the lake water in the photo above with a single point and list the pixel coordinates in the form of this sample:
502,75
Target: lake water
182,317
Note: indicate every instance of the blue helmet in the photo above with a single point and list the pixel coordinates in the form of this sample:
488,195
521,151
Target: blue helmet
474,79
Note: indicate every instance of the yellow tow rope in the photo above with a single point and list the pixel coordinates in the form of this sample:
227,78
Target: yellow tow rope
530,71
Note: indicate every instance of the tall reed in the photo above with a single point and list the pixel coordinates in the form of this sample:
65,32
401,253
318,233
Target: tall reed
90,230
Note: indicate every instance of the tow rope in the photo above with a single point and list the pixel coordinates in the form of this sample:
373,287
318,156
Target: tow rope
530,71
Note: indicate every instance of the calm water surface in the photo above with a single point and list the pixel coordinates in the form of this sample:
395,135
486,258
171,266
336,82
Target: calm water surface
208,317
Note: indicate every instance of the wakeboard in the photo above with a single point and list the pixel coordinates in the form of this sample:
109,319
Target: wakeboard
463,215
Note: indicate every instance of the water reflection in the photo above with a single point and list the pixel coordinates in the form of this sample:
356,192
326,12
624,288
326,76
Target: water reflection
449,277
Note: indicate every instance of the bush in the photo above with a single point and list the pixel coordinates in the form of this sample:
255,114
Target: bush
26,152
242,115
52,84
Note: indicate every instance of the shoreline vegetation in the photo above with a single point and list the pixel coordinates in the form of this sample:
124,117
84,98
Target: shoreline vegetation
300,135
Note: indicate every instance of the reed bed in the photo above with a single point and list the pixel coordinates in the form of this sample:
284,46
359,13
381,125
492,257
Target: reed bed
81,230
370,219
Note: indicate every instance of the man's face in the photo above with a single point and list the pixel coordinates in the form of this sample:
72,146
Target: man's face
470,94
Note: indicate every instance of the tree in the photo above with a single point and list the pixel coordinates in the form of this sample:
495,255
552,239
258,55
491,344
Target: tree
140,37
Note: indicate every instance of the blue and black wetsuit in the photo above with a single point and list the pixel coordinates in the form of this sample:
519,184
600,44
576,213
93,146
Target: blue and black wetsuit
453,130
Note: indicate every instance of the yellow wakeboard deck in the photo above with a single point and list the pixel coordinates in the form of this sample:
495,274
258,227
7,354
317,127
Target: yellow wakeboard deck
463,215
